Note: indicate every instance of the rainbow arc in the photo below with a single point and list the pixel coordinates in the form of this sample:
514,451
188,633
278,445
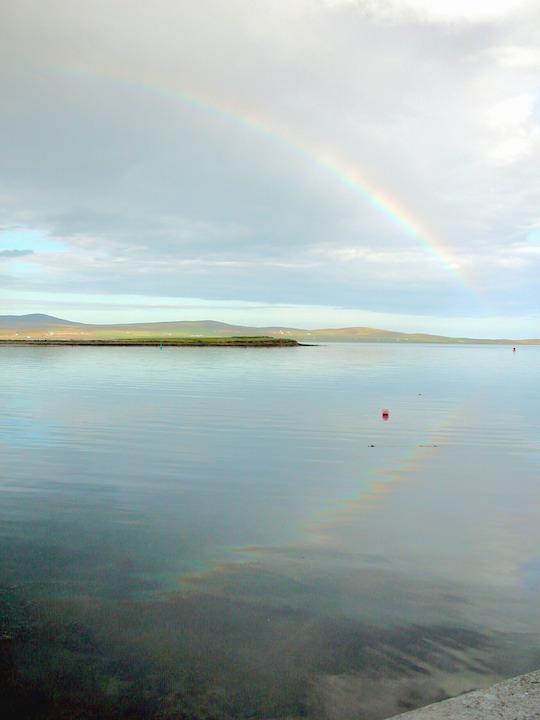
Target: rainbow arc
352,178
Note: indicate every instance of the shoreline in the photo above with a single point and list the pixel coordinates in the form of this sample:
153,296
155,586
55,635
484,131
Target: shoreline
514,699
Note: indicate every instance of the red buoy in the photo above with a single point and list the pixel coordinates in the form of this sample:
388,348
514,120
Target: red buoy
385,414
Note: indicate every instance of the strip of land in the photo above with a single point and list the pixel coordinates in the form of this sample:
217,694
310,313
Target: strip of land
167,342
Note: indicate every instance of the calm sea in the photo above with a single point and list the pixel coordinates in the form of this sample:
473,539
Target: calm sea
234,532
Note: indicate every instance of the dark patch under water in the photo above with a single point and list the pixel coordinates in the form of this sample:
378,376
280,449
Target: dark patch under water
194,655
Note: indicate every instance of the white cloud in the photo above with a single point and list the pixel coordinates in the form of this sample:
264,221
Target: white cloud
516,56
475,11
515,132
469,10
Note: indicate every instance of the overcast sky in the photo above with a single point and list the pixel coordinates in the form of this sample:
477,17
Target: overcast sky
310,163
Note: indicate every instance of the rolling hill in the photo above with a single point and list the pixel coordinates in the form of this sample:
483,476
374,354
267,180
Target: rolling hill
40,326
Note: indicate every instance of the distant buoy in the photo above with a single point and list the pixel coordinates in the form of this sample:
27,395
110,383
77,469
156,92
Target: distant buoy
513,349
385,414
161,346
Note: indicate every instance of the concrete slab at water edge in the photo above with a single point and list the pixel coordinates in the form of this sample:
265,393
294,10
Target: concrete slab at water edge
515,699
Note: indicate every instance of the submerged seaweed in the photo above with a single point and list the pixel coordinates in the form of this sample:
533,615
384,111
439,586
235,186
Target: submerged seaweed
198,657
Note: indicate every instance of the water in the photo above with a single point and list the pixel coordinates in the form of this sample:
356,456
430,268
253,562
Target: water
235,532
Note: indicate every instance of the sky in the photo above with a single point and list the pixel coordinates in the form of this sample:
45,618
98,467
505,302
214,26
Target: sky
307,163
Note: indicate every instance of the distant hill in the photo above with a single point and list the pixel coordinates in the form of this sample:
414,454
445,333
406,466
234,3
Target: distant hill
36,320
38,325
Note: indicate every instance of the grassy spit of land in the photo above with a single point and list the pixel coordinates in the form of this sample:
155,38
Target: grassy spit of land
239,341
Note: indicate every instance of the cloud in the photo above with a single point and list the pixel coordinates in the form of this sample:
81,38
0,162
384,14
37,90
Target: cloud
516,56
357,153
10,254
440,11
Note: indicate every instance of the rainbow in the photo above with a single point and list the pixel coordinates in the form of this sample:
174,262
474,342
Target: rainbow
331,164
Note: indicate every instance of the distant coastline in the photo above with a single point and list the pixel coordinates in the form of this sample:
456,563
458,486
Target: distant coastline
38,328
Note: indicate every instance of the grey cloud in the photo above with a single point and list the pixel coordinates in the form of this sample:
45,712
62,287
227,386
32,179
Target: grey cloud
15,253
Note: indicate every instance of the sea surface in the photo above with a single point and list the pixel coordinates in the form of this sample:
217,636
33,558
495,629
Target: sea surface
240,533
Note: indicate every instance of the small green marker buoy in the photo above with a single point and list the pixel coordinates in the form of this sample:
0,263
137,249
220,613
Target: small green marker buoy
161,346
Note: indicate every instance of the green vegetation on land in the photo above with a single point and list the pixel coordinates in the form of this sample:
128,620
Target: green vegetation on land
245,341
